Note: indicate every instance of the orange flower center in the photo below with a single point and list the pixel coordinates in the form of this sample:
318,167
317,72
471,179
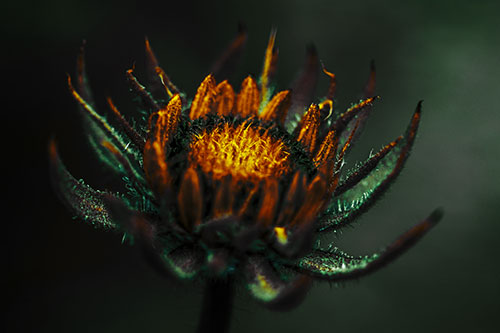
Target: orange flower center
242,151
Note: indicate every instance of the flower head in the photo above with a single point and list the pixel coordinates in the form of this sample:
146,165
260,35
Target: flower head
238,184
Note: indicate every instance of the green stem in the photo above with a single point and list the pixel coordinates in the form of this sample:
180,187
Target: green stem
217,307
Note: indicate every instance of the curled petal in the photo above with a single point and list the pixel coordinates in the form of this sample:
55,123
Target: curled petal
269,287
332,87
334,265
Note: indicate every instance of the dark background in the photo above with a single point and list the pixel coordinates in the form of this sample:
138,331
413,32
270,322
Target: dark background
64,276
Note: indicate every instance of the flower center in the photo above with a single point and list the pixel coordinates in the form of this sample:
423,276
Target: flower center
242,151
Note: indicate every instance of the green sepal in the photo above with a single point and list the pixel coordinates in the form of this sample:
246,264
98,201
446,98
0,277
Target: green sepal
362,194
84,201
333,264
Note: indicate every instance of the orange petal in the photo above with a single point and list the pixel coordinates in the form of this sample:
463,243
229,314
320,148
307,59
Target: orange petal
269,202
155,167
190,200
308,128
293,198
168,120
247,203
314,200
327,149
223,202
204,98
224,98
155,149
277,108
248,100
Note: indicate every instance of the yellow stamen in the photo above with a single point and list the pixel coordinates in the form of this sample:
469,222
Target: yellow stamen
242,151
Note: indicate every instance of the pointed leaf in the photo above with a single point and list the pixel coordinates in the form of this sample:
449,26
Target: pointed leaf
334,265
366,191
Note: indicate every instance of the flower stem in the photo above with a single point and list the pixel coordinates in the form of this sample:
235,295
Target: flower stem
217,306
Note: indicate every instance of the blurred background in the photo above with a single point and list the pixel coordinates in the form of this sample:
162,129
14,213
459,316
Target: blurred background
64,276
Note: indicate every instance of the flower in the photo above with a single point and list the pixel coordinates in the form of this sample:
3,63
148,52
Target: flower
238,185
